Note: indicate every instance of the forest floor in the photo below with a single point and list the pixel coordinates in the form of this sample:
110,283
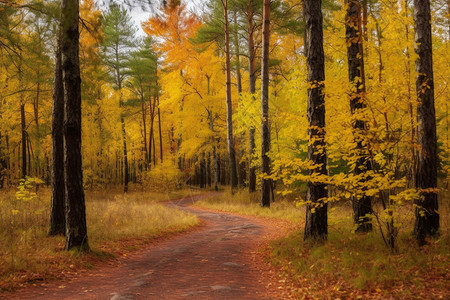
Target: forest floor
226,257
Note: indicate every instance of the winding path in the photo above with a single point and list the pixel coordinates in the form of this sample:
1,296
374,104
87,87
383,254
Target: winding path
214,261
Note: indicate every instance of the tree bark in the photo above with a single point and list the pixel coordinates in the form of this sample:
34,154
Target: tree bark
160,134
24,141
362,207
126,176
265,126
316,226
57,214
427,215
151,132
208,169
412,117
238,56
144,127
23,124
252,90
76,230
203,170
230,139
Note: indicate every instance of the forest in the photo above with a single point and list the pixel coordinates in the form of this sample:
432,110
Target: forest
321,125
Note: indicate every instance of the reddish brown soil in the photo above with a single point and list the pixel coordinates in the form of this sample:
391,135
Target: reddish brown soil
220,260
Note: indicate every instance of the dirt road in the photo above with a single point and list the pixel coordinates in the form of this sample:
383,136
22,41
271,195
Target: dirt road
215,261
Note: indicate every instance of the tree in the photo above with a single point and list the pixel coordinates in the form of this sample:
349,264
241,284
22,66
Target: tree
142,70
57,213
119,39
316,225
251,27
427,215
230,139
362,206
265,125
76,229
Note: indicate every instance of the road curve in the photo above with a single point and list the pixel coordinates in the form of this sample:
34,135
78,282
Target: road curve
212,262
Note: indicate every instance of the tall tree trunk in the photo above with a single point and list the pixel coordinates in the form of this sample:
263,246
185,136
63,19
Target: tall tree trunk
23,123
160,133
24,140
362,207
144,125
230,139
427,215
154,150
316,226
214,144
203,170
57,214
76,230
208,169
238,56
265,125
126,174
216,169
252,90
36,122
412,117
151,132
159,112
241,162
29,155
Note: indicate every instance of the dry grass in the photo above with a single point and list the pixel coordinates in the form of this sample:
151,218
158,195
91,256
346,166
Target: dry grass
248,204
117,223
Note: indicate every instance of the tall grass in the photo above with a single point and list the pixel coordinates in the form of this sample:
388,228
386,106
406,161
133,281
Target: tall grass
115,221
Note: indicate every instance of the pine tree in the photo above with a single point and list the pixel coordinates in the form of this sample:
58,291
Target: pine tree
265,125
57,214
230,139
76,230
354,37
316,225
118,41
427,215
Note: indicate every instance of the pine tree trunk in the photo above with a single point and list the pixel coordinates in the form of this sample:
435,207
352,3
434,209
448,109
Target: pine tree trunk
427,216
23,124
216,169
354,37
76,230
208,169
265,126
160,134
57,214
238,56
144,127
252,171
316,226
203,171
412,117
126,177
151,152
252,90
24,141
154,151
230,139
